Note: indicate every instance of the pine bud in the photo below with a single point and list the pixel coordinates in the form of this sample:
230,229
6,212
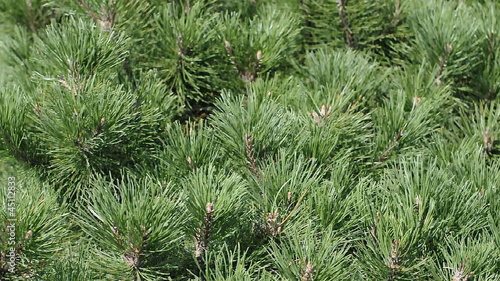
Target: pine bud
460,275
259,55
28,235
448,48
418,202
115,231
488,141
416,100
394,259
36,107
307,275
228,47
210,208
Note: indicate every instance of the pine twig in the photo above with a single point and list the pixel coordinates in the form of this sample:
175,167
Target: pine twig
89,11
488,141
249,153
202,237
396,19
391,145
294,208
394,260
274,225
345,24
459,274
180,43
31,16
245,74
203,234
107,18
230,54
259,62
443,60
132,258
307,274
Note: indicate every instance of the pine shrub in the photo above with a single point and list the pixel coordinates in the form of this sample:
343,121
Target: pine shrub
250,140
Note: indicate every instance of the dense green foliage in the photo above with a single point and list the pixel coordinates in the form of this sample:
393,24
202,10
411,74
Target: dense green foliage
250,140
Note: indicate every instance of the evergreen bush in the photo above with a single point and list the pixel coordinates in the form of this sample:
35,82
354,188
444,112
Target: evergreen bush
250,140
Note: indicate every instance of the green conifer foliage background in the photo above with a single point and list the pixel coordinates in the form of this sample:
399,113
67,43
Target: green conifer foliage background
250,140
